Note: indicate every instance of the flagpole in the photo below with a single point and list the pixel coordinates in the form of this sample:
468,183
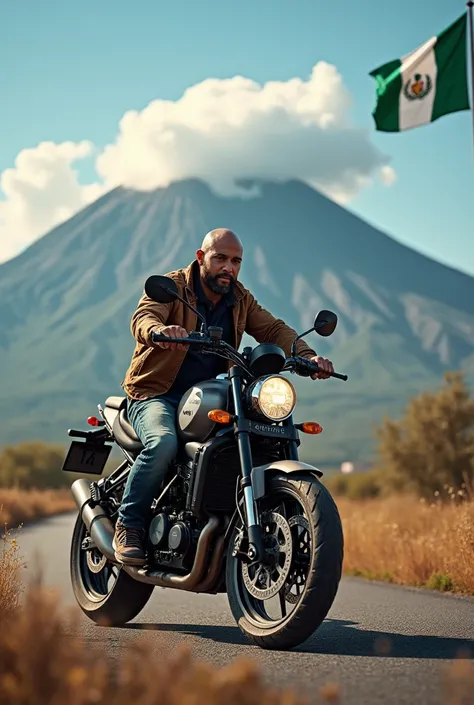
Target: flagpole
470,5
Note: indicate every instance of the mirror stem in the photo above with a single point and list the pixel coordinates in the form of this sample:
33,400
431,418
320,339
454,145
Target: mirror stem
298,337
199,315
302,335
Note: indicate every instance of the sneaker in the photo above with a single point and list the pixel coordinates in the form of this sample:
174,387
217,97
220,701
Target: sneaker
128,545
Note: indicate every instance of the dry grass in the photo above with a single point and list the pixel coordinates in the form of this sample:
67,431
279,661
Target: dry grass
10,585
23,506
410,541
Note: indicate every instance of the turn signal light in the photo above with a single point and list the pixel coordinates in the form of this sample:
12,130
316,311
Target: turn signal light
93,421
311,427
220,416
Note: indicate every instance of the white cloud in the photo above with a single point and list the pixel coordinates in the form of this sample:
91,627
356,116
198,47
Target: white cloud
41,191
219,131
388,175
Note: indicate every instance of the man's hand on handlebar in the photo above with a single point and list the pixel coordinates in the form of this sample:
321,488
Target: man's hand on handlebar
173,332
317,367
325,367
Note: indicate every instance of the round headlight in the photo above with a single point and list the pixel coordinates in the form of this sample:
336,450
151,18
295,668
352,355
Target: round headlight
274,397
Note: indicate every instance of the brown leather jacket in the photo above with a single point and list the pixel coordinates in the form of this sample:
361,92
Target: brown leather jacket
152,369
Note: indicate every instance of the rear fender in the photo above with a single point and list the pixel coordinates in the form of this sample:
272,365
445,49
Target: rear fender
295,468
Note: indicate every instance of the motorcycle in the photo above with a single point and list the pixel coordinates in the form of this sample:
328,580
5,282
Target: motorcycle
239,513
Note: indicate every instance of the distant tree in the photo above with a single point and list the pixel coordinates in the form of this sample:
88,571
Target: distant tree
431,448
33,464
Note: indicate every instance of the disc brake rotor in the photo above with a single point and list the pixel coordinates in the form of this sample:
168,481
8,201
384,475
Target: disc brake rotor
297,574
264,582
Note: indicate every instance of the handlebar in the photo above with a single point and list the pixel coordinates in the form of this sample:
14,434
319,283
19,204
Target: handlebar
300,365
306,368
160,338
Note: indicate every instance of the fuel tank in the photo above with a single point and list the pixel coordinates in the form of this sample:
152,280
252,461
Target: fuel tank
193,423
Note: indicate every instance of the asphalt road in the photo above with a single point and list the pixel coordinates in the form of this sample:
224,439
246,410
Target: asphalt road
380,643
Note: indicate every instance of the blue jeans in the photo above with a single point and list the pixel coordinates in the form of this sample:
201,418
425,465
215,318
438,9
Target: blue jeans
154,422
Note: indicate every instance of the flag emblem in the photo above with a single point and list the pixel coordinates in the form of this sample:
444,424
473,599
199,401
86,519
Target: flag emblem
417,87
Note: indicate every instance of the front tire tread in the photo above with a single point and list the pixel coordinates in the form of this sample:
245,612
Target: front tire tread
327,543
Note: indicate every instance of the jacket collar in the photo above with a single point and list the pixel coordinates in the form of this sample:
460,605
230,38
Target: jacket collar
239,290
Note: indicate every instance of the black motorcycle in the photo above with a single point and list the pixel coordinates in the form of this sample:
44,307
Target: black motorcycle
239,513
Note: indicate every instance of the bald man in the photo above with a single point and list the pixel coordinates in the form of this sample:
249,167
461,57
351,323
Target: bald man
160,373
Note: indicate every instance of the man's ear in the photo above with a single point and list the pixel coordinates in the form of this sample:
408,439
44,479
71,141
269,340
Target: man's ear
199,256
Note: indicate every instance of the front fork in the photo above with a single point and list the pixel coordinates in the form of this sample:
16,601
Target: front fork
256,550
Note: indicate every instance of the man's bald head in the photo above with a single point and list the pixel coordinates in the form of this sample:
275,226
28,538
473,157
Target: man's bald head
222,236
220,258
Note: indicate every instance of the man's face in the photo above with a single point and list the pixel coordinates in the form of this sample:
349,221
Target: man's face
220,265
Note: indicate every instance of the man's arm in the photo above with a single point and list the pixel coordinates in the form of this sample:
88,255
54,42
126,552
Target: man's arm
265,328
149,317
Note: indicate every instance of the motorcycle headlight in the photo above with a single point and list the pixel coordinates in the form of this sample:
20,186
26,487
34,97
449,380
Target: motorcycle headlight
274,397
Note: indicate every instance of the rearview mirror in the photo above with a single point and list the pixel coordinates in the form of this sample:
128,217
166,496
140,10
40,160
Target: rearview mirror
161,289
325,323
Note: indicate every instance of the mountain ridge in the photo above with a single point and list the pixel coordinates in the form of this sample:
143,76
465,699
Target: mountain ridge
66,303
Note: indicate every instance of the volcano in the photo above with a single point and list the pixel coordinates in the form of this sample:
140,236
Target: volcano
66,303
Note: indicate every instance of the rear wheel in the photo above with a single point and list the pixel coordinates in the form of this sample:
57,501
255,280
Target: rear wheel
280,606
104,592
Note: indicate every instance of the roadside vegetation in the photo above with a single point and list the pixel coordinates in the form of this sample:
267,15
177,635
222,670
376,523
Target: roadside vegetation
410,519
410,541
24,506
32,485
10,583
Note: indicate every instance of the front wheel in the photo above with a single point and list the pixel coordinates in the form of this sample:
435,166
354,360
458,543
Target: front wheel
279,606
104,592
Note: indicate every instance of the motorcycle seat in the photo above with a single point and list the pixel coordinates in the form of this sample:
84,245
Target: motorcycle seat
122,428
115,402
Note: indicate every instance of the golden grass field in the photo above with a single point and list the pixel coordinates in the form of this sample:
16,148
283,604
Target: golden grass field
22,506
409,541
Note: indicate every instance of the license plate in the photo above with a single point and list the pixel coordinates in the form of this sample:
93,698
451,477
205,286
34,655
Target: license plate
86,458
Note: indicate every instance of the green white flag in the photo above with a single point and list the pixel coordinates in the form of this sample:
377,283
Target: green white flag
426,84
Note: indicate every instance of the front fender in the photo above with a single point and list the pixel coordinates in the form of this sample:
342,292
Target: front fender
287,466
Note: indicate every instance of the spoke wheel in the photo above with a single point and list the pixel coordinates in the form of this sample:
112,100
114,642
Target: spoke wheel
104,592
260,584
281,604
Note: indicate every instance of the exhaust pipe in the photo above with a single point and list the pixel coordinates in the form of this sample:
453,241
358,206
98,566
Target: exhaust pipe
161,578
95,519
102,533
209,581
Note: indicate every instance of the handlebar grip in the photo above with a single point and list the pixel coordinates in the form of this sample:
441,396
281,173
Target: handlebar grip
338,376
312,367
160,338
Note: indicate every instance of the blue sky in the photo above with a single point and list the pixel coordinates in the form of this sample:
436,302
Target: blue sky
71,70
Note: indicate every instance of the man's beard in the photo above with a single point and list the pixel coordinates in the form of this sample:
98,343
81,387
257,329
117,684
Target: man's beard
212,283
